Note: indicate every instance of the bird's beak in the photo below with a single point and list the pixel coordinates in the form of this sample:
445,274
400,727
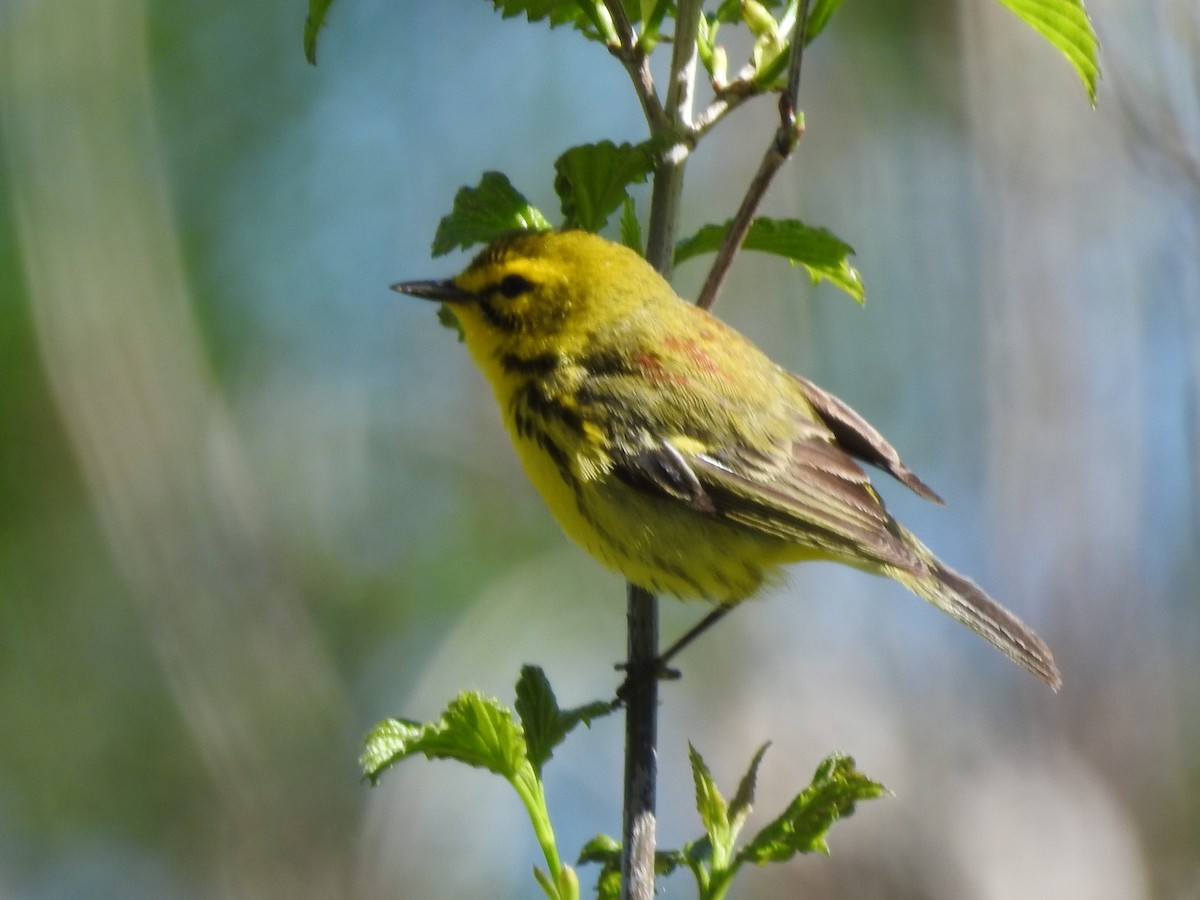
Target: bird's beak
445,291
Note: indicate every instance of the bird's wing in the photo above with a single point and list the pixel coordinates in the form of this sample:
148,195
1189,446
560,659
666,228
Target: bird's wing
857,437
806,490
787,470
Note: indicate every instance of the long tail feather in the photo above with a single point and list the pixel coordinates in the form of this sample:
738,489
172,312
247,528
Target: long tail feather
963,600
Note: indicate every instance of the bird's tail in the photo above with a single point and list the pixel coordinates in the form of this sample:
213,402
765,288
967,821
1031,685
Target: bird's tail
962,599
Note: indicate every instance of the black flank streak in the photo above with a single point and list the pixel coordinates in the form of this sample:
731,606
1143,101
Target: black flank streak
605,362
541,365
531,397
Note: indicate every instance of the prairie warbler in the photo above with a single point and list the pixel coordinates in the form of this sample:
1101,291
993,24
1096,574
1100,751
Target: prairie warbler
672,449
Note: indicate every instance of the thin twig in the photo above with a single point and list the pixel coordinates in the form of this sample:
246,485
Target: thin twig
727,99
778,151
629,51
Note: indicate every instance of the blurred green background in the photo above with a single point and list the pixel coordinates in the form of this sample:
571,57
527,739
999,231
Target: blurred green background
251,501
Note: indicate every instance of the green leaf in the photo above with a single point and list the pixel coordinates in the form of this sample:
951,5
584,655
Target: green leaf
667,861
608,884
544,882
743,800
706,40
631,228
567,884
606,851
544,724
714,813
729,11
474,729
836,787
818,17
592,179
1065,24
652,13
387,743
312,26
483,213
557,12
601,849
824,256
538,709
760,21
589,16
447,319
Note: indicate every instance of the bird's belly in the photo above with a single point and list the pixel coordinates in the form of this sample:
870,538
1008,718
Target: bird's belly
656,542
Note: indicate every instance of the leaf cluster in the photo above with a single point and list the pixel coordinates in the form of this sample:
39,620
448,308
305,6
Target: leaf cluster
1064,23
592,184
516,744
715,857
482,733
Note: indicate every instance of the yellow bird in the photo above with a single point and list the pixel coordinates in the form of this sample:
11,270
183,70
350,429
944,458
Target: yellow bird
674,450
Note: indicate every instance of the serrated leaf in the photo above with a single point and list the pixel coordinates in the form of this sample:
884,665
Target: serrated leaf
836,787
1065,24
538,709
544,724
631,228
592,179
714,813
479,731
474,729
389,742
556,12
313,22
483,213
743,800
818,17
823,255
589,16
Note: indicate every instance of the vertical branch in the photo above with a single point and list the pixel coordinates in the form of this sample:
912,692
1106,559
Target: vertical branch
641,702
638,841
668,177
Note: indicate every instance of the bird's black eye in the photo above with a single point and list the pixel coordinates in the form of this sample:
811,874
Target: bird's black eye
513,286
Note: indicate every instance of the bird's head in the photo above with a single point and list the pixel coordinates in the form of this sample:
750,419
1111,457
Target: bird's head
533,292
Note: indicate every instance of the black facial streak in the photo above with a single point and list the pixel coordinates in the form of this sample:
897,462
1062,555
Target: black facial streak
500,319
